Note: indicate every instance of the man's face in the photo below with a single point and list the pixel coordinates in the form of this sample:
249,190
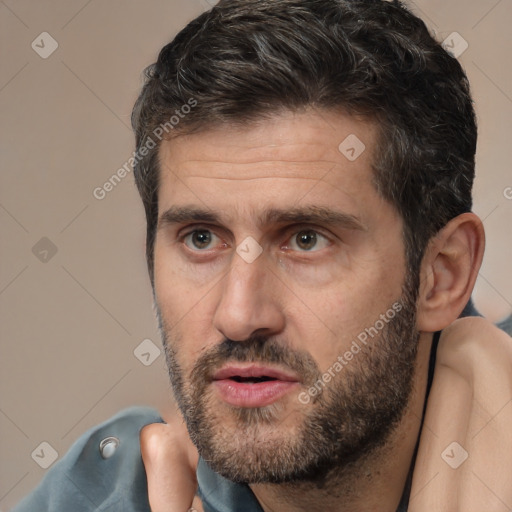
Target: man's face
279,282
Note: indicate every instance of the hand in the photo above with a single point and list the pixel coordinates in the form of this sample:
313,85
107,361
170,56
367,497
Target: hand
470,403
170,460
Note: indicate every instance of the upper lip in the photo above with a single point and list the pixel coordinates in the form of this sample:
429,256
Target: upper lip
253,370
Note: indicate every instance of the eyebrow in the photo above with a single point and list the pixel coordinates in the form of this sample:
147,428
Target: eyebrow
307,214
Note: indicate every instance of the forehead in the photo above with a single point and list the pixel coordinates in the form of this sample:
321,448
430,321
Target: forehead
313,158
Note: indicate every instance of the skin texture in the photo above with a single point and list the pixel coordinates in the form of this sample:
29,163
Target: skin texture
470,403
170,460
330,294
474,363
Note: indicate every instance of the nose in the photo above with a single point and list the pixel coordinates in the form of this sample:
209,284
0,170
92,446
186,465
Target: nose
248,303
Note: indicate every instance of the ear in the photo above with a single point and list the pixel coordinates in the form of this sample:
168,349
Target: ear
448,272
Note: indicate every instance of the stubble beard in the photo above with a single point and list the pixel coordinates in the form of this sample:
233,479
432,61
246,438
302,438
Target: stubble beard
340,433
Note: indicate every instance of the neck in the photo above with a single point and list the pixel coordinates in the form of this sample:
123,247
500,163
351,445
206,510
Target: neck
375,482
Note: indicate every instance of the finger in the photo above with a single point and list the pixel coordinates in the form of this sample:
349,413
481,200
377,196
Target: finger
171,478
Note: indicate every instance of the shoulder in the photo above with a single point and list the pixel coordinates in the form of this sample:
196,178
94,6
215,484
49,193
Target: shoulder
102,470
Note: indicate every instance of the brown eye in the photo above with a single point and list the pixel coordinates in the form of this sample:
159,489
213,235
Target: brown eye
199,239
308,240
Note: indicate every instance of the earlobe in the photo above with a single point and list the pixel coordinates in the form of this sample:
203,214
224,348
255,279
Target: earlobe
448,272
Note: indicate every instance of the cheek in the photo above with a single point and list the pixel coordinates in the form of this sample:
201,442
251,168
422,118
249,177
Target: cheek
328,320
185,307
178,287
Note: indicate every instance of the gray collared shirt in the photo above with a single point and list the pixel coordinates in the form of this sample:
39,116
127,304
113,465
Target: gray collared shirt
87,480
103,472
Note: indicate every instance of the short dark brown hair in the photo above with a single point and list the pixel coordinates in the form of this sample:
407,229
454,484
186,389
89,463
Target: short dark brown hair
248,59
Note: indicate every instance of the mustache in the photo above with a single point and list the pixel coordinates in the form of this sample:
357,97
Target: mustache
256,349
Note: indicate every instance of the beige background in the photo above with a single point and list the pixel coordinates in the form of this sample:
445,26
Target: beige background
70,324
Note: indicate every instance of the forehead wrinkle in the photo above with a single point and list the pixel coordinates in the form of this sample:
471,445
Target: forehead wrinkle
252,179
256,160
178,178
300,169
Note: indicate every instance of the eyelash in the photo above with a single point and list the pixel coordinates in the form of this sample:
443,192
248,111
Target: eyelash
290,233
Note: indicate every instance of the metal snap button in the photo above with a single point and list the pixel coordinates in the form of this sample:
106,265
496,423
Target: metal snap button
108,447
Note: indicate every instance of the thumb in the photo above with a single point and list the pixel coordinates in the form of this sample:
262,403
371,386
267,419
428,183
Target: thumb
170,460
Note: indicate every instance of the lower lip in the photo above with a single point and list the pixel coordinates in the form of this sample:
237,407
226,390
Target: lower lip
259,394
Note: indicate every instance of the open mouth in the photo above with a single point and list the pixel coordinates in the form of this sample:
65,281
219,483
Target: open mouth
253,385
251,380
253,373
